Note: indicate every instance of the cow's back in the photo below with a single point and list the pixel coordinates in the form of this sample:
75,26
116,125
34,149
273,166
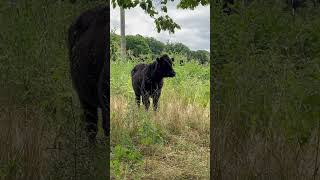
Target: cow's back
137,74
88,52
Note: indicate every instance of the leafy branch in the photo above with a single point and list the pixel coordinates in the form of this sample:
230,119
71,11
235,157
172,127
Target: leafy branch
162,22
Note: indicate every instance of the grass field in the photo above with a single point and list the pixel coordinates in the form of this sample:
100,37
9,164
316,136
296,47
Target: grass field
172,143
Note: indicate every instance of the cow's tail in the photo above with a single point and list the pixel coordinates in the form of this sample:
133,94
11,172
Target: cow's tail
133,71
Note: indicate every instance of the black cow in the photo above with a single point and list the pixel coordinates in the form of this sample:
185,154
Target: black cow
147,80
88,41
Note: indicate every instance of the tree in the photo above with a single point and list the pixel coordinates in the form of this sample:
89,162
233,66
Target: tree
202,56
178,48
138,45
155,46
162,22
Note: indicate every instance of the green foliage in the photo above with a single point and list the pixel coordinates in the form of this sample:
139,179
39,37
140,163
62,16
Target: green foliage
137,44
265,68
178,48
114,46
149,134
202,56
166,23
125,154
148,48
265,73
35,82
124,157
195,88
184,4
191,82
156,46
162,22
137,138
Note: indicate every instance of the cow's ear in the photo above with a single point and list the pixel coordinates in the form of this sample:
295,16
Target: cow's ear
172,59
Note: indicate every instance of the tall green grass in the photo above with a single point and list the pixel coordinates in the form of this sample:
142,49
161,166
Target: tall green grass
40,117
266,74
192,81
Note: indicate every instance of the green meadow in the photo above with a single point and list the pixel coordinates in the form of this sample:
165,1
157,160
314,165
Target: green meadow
171,143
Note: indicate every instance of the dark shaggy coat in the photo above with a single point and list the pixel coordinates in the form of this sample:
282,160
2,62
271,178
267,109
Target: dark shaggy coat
147,80
88,41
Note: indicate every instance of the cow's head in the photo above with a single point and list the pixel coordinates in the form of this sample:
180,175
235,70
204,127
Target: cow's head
164,66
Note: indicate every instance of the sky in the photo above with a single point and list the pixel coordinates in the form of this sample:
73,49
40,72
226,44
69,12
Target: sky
194,32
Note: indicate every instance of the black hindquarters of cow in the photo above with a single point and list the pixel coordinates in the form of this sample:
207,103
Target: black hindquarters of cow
88,42
147,80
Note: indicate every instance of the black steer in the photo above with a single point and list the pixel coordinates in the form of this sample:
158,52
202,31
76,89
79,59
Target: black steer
147,80
88,41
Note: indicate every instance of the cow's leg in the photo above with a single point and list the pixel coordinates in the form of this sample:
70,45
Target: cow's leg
138,100
104,98
155,100
146,101
105,122
91,118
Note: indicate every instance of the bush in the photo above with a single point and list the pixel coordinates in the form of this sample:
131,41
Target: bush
138,45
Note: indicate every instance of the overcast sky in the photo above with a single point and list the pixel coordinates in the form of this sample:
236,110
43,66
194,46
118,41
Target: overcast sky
194,32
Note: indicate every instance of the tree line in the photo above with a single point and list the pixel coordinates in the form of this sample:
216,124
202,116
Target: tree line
141,47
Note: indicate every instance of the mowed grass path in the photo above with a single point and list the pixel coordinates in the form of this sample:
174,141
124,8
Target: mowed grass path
172,143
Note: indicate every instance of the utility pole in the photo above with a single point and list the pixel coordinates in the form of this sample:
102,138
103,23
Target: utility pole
123,34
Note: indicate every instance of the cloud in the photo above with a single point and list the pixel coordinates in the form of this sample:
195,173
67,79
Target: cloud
194,32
